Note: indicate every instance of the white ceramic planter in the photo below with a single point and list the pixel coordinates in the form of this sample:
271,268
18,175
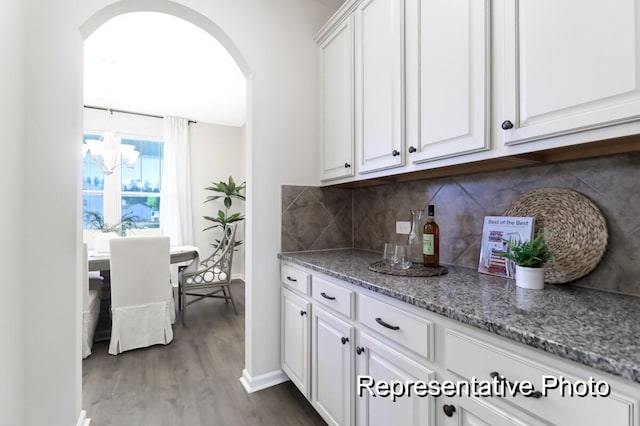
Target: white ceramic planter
530,278
101,241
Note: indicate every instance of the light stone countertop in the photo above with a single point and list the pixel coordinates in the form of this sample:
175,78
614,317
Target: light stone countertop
594,328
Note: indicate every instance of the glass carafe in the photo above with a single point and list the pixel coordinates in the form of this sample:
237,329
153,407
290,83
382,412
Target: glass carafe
414,240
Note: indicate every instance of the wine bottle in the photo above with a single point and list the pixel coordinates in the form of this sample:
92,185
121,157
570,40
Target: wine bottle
431,240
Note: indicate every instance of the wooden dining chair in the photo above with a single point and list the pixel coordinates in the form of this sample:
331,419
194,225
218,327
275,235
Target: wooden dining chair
210,278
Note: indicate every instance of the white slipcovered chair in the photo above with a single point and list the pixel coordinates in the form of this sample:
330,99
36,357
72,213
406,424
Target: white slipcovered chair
148,232
211,277
141,295
90,306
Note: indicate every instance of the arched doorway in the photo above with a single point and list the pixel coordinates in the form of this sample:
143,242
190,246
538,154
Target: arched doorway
275,39
170,8
174,10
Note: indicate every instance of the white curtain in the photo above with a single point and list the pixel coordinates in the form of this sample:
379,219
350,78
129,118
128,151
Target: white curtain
175,189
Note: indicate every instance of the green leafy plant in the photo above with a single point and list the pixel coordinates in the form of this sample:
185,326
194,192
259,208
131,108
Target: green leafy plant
530,254
96,221
227,191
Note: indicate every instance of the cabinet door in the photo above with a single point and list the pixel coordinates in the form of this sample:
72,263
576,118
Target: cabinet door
379,84
295,339
336,58
448,55
571,65
379,362
332,370
466,411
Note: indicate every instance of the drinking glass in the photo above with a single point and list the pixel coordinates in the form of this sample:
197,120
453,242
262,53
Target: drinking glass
387,256
401,257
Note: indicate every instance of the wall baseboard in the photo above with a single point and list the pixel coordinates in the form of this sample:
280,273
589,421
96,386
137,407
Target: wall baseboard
83,420
238,277
263,381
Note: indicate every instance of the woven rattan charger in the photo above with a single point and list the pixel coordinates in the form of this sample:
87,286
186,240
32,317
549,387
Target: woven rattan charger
574,230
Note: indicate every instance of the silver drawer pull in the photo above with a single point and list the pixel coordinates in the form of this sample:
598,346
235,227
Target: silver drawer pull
389,326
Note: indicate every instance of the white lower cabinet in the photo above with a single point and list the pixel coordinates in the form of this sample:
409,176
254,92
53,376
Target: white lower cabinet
458,411
339,341
294,351
332,367
377,361
469,357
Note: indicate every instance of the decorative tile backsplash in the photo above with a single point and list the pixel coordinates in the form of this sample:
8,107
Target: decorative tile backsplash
315,218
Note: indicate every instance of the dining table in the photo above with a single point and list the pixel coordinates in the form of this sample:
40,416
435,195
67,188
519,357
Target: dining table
99,261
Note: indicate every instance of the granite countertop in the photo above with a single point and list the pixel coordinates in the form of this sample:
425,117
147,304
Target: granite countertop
595,328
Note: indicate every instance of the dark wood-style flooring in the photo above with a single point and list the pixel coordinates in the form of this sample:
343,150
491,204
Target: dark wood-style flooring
192,381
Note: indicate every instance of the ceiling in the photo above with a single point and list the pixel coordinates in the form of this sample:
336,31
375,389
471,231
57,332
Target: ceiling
158,64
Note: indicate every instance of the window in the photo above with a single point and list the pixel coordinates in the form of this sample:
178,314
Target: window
92,185
141,184
136,196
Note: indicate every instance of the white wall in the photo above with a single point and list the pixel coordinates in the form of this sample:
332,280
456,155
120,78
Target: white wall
51,373
279,56
12,44
135,125
217,152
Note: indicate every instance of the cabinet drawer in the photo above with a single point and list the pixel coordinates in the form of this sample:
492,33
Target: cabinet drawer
295,278
408,330
334,296
469,358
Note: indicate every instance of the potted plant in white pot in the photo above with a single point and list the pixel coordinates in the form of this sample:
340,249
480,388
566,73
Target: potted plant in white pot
530,258
101,240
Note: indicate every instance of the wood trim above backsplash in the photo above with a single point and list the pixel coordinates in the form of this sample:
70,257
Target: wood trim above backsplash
603,148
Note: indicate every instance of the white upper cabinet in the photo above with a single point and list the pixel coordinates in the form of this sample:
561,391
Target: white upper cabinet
570,65
379,83
448,78
337,109
411,85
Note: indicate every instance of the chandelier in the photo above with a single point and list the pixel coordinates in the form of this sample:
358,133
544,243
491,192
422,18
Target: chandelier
109,154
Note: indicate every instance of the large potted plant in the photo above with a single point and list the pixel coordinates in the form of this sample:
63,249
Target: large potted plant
227,191
530,258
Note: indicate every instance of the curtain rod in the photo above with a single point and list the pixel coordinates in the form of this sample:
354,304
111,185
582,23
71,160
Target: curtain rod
111,111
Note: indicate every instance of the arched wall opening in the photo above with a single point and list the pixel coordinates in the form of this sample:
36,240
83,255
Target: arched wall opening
162,65
170,8
189,15
280,62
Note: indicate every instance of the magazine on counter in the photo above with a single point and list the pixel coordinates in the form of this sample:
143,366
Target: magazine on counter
495,232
